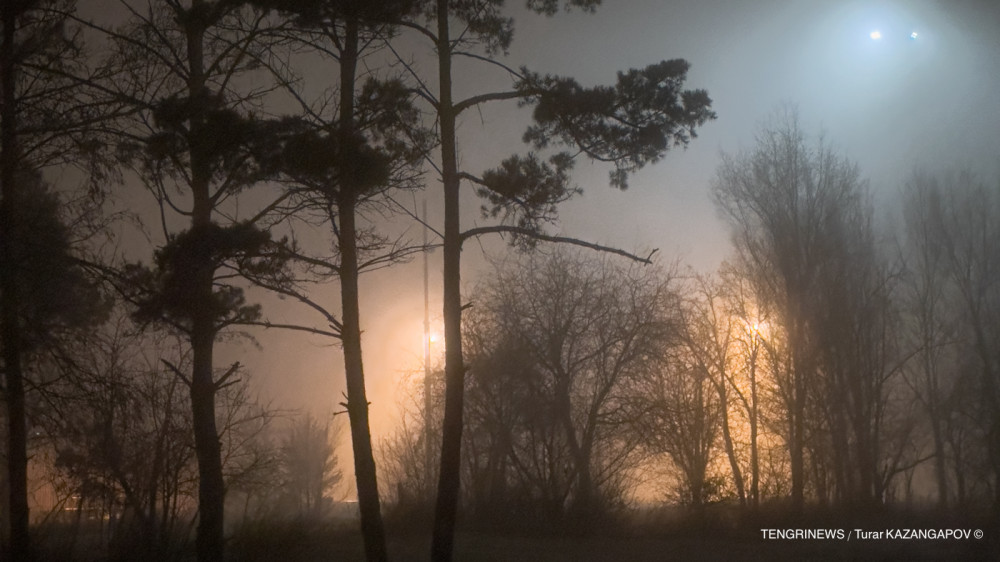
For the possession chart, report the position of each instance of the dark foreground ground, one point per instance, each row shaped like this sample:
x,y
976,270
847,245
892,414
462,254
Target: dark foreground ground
x,y
643,538
605,545
497,549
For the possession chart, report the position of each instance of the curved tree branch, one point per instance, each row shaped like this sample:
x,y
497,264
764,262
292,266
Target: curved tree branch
x,y
501,229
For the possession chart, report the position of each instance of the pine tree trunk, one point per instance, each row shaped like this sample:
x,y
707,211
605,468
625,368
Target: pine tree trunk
x,y
211,486
372,529
357,403
446,508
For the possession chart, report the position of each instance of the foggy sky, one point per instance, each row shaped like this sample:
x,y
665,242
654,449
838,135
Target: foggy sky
x,y
889,105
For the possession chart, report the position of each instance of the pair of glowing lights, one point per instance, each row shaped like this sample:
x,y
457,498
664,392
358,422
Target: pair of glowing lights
x,y
876,35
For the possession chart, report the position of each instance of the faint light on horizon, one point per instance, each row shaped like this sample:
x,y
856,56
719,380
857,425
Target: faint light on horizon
x,y
876,35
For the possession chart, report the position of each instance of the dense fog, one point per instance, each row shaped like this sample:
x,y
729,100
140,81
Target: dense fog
x,y
314,279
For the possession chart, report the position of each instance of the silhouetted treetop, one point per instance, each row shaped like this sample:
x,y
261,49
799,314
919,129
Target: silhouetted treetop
x,y
486,24
550,7
525,190
53,291
221,133
321,158
316,13
385,140
630,124
166,292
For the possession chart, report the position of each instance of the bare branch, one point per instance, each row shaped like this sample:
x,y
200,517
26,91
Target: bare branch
x,y
501,229
483,98
178,372
488,60
219,384
293,327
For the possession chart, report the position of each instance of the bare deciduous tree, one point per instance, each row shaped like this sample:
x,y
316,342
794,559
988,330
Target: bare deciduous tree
x,y
118,421
803,231
951,220
309,463
584,331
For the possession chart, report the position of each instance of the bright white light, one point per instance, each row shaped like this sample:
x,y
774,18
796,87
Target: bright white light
x,y
913,35
876,35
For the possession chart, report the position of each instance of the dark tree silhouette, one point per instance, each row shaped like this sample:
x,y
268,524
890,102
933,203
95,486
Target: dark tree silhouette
x,y
777,213
118,424
340,164
53,295
44,121
195,135
121,433
681,418
709,334
629,124
803,230
746,332
586,332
